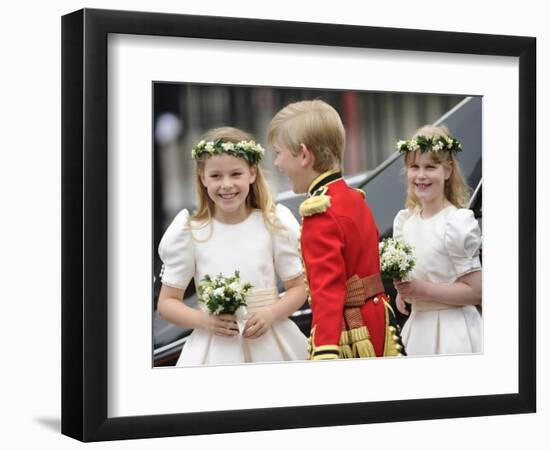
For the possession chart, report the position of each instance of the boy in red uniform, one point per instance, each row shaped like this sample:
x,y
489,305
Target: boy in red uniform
x,y
339,241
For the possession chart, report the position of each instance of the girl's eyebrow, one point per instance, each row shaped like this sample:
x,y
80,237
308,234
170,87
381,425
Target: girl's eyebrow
x,y
218,171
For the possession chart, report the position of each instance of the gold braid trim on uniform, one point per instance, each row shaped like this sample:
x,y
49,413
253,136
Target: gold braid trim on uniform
x,y
308,291
306,283
344,346
321,352
325,352
310,343
392,344
362,192
315,205
361,344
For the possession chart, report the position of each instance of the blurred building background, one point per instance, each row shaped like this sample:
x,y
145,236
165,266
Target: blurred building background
x,y
374,121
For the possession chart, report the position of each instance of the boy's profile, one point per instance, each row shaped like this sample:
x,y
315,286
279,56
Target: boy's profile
x,y
351,317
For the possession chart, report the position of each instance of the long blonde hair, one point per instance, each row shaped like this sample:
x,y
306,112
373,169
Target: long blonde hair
x,y
259,196
456,189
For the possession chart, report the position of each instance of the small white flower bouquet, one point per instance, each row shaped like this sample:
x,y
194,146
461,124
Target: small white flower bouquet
x,y
396,259
224,295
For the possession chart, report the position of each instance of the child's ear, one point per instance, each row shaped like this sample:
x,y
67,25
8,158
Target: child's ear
x,y
201,176
253,173
447,169
307,157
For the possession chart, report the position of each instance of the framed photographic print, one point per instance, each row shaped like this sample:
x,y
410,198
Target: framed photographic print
x,y
127,77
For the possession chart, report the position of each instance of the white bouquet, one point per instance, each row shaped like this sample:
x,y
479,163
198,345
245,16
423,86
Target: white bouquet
x,y
224,295
396,259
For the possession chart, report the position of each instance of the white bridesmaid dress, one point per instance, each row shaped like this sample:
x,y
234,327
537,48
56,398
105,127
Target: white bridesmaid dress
x,y
260,256
446,247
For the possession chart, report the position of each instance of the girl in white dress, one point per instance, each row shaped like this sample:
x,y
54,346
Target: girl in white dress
x,y
445,284
236,227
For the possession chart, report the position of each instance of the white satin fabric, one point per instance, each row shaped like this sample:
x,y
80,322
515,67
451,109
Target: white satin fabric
x,y
446,247
282,342
191,251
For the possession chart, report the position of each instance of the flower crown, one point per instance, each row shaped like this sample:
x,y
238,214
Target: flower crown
x,y
429,144
248,150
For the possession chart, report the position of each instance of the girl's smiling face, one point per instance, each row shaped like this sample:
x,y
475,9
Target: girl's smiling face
x,y
426,178
227,180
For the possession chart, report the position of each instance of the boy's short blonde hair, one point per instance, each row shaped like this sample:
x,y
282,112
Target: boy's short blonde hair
x,y
315,124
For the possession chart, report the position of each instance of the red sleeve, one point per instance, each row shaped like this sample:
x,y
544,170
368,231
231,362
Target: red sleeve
x,y
322,249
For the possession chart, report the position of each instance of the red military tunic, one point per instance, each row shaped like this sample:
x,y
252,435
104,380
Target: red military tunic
x,y
339,243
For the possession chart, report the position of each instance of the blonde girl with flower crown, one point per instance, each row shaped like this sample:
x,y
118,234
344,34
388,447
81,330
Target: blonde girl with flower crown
x,y
235,228
445,284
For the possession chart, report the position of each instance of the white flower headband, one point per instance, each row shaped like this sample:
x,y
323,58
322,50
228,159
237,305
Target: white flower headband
x,y
429,144
248,150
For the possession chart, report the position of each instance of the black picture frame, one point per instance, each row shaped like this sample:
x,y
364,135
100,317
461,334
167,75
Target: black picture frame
x,y
84,224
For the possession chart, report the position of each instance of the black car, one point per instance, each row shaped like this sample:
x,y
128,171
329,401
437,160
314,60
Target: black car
x,y
385,188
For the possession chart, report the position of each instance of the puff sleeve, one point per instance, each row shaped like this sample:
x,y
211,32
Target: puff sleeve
x,y
288,264
400,218
462,241
177,253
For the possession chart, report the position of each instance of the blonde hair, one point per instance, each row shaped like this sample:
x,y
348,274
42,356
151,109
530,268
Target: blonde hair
x,y
259,196
315,124
456,189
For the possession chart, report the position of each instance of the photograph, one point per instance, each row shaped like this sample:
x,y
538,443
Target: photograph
x,y
199,234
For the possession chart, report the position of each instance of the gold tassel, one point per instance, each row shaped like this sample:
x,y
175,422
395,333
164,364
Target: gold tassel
x,y
344,349
361,344
363,349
